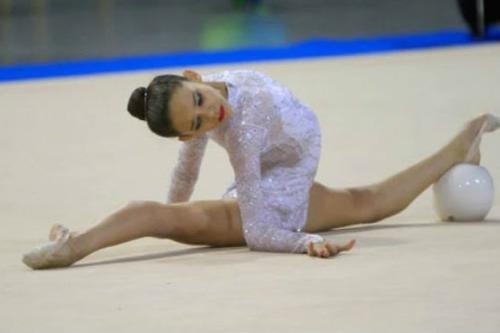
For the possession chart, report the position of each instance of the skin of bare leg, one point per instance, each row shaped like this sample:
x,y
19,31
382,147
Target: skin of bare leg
x,y
202,222
330,208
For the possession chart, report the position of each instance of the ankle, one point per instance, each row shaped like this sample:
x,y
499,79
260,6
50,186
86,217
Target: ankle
x,y
77,247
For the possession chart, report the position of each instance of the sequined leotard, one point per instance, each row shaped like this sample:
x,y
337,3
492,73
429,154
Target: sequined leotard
x,y
274,144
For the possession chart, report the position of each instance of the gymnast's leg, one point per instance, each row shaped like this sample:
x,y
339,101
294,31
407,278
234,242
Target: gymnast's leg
x,y
213,223
330,208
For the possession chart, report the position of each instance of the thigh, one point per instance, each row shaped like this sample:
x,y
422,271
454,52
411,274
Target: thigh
x,y
331,208
209,222
219,222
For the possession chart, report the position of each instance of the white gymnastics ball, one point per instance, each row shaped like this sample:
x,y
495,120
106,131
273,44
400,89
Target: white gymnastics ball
x,y
464,193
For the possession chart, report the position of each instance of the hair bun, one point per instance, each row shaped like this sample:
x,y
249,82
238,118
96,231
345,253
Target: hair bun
x,y
137,102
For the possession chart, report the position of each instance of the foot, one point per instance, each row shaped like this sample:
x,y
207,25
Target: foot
x,y
57,253
467,143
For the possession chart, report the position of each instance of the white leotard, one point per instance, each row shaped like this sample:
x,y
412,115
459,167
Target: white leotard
x,y
274,144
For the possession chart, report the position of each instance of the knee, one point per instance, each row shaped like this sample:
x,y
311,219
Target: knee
x,y
156,215
146,204
185,223
153,209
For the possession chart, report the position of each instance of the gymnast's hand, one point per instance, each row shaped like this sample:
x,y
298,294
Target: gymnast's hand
x,y
326,249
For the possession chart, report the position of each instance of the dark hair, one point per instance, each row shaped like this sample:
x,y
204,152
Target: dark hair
x,y
152,104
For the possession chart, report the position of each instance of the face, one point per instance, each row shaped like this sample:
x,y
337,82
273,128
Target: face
x,y
197,107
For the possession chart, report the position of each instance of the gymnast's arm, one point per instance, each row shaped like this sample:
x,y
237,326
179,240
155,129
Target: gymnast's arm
x,y
187,169
261,225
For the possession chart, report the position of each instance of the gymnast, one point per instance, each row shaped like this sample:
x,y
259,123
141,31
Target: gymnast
x,y
273,142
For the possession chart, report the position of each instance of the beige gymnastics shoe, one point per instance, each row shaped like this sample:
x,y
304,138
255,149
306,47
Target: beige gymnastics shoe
x,y
480,125
57,253
57,230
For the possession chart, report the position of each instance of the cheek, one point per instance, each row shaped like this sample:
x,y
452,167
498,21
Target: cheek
x,y
212,97
212,124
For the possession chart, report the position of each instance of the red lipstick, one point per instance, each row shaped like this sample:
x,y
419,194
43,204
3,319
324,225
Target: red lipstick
x,y
222,113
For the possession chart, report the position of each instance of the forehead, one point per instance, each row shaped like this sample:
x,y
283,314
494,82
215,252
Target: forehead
x,y
182,107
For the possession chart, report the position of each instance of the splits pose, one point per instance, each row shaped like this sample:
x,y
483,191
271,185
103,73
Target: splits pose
x,y
273,142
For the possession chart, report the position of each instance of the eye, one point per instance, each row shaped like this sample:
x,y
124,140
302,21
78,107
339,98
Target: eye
x,y
198,123
199,99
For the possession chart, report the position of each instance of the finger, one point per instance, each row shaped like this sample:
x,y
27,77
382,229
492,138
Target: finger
x,y
348,246
311,250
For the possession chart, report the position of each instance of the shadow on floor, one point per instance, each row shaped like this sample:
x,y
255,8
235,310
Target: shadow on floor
x,y
162,255
432,224
349,230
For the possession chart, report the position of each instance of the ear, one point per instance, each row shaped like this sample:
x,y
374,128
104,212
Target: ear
x,y
192,75
185,137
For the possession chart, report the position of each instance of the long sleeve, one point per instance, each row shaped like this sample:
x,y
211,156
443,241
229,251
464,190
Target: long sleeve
x,y
261,224
186,170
